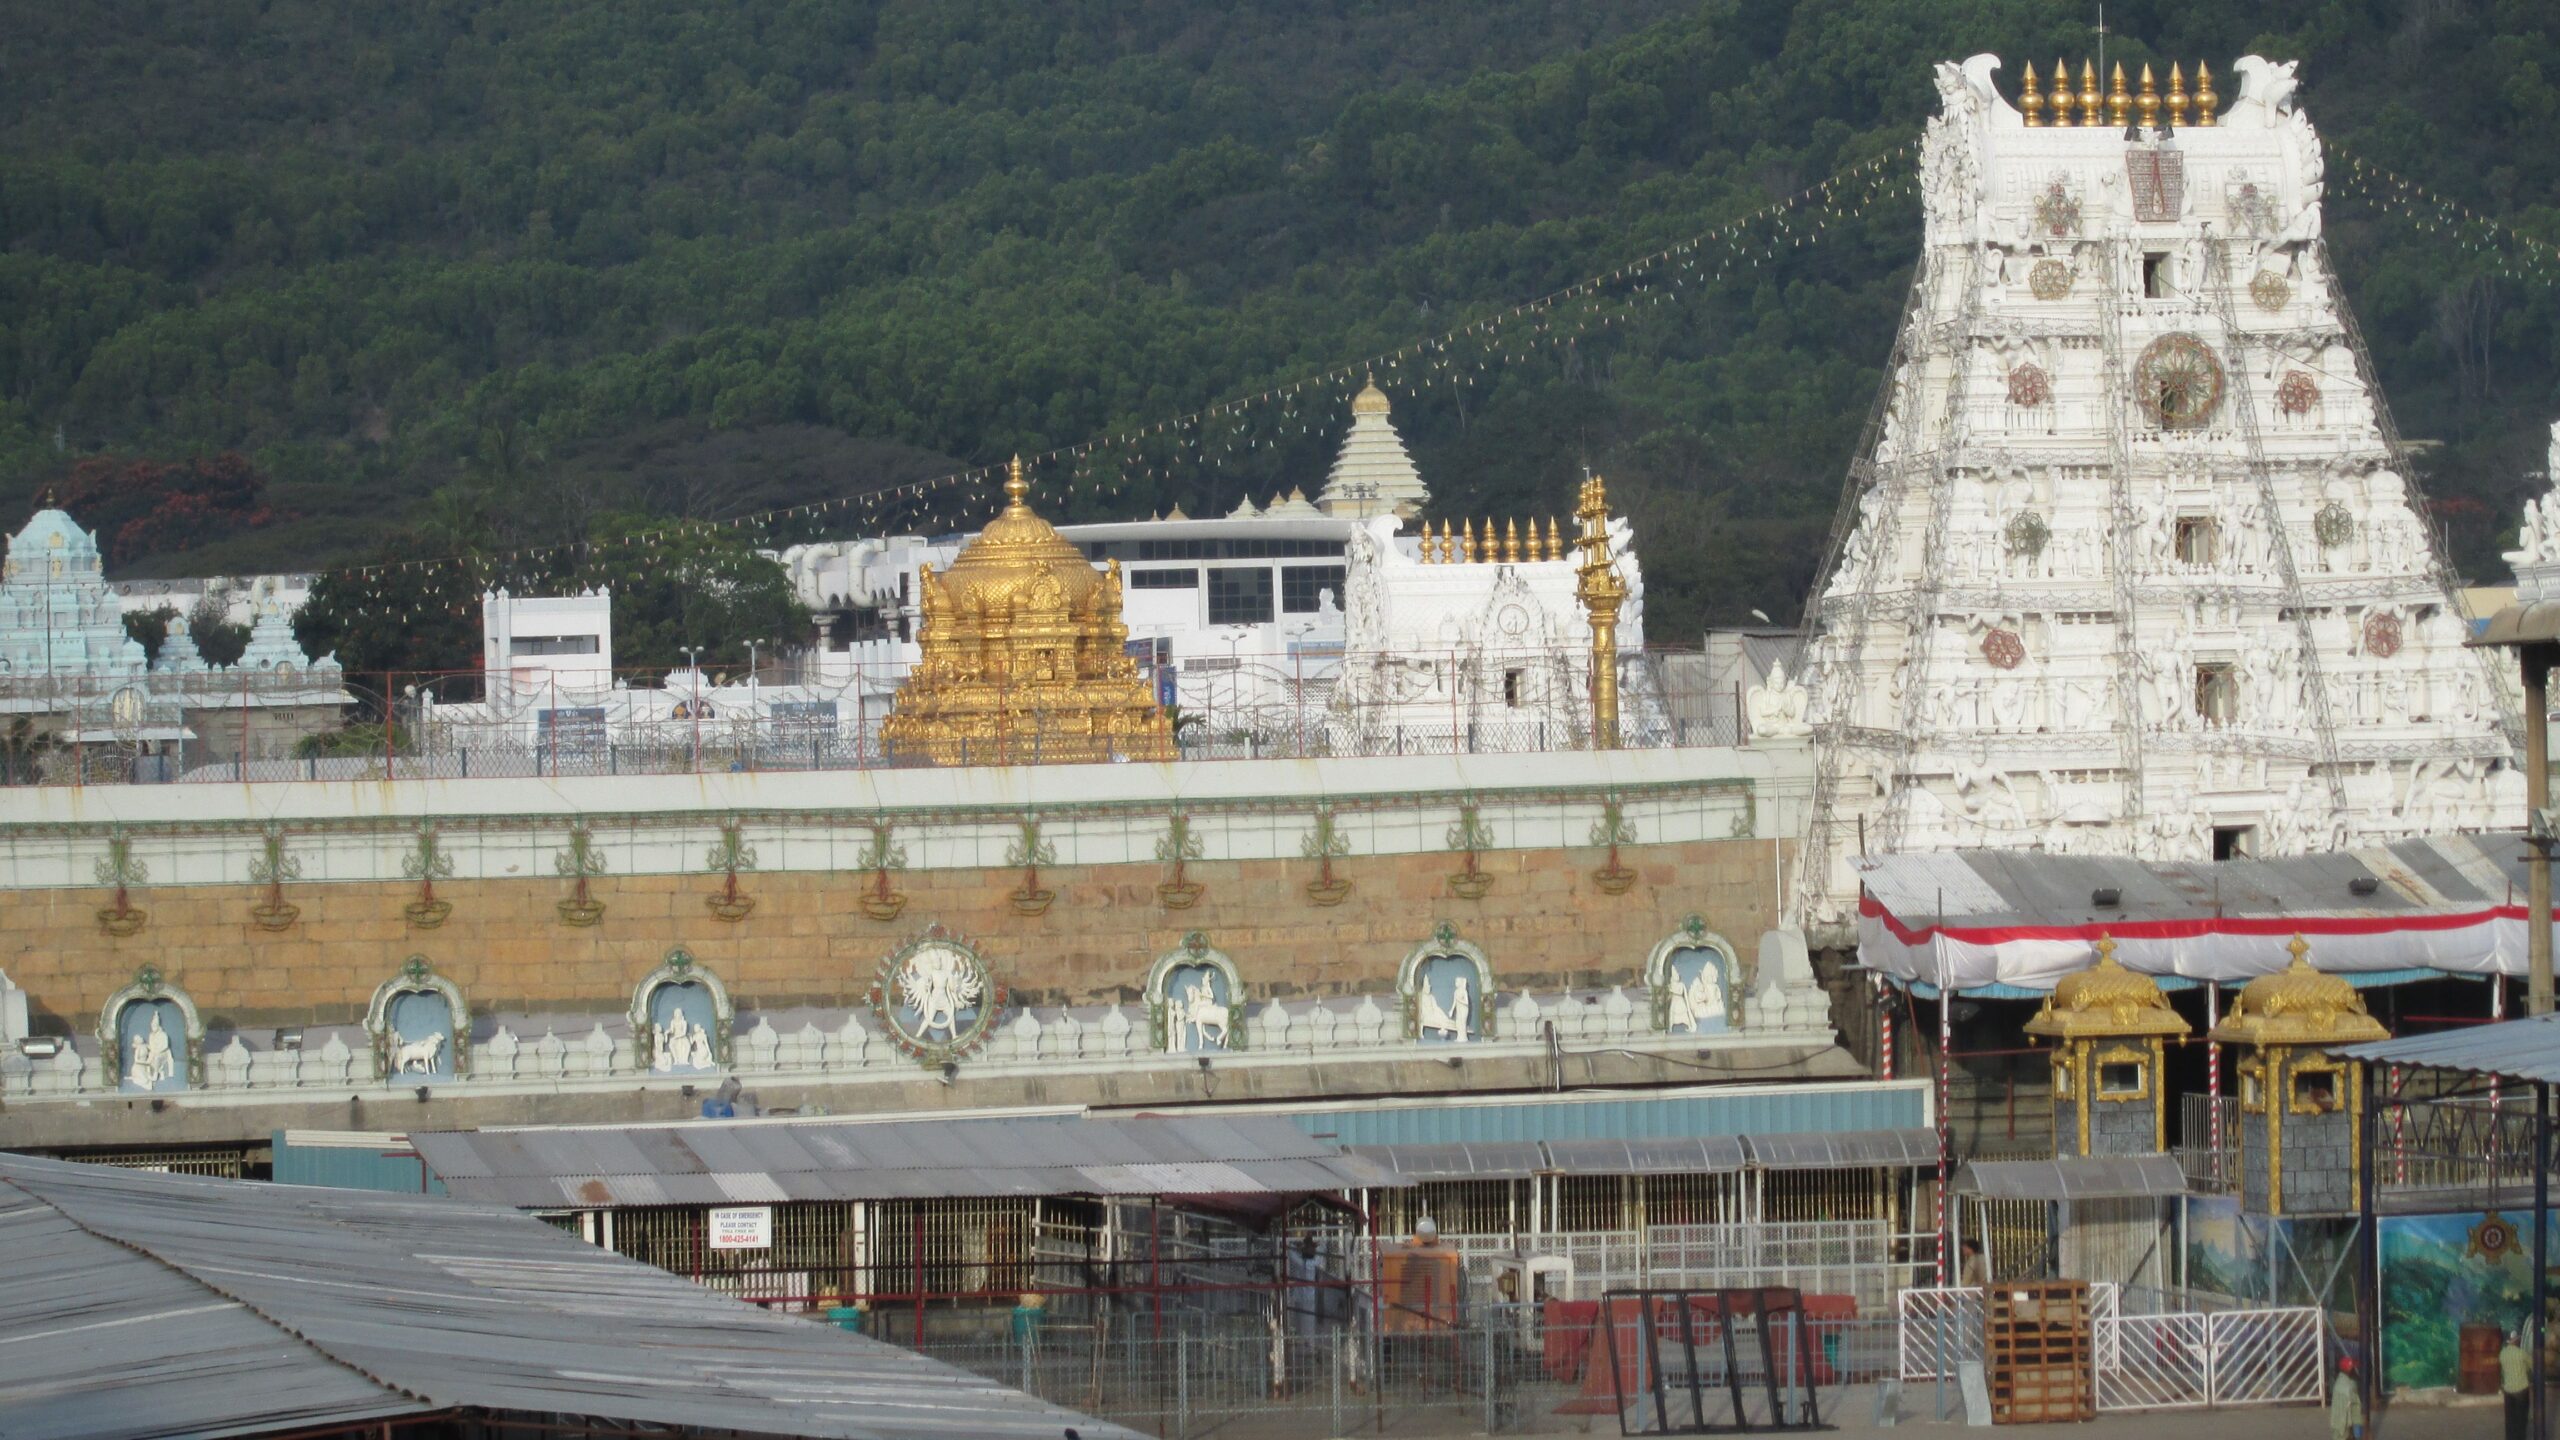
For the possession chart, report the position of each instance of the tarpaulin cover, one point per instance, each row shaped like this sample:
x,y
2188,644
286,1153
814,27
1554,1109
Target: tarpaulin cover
x,y
1970,919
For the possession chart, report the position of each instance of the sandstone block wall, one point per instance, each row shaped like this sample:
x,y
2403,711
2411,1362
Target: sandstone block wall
x,y
1544,923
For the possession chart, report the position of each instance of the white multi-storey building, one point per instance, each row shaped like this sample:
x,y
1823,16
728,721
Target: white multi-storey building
x,y
2130,562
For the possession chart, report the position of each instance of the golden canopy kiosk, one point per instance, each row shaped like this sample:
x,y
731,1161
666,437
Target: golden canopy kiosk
x,y
2109,1027
2299,1106
1024,656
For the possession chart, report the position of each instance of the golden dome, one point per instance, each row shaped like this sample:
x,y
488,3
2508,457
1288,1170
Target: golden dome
x,y
1016,549
1371,400
2106,999
2299,1006
1024,656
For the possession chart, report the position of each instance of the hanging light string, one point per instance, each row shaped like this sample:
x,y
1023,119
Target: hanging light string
x,y
2515,253
1098,467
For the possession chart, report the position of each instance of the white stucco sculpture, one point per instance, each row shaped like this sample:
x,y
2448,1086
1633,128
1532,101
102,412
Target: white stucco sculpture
x,y
1776,709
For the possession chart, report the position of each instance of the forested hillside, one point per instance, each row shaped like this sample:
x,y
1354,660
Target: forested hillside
x,y
459,276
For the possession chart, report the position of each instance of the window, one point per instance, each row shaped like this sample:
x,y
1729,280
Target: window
x,y
2316,1092
2234,842
2120,1079
2062,1075
1185,579
1302,587
2155,275
2253,1085
1240,595
552,645
1511,687
2217,694
2199,542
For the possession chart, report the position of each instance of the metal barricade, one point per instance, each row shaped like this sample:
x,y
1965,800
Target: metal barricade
x,y
2264,1357
2152,1362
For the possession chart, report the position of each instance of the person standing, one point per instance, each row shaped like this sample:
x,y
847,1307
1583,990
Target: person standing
x,y
2515,1383
1975,1269
2346,1403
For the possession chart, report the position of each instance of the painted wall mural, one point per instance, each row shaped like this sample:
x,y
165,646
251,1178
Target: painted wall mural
x,y
2441,1273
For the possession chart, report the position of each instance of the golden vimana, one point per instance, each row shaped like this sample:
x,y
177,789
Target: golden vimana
x,y
2117,106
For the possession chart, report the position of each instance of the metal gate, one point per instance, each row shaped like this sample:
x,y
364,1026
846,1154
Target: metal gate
x,y
2153,1362
1942,1325
2234,1357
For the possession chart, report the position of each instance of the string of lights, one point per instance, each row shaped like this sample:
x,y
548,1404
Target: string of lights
x,y
2518,255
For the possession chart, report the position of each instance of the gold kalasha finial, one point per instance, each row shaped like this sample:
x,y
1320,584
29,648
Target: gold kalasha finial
x,y
2090,99
1448,545
1016,488
2147,104
2206,100
2031,104
2060,101
1511,542
1553,551
1466,542
2177,111
2119,99
1422,545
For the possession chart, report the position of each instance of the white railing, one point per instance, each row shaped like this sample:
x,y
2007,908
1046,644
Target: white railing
x,y
2232,1357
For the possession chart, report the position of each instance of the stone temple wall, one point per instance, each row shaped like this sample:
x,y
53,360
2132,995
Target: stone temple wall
x,y
1544,924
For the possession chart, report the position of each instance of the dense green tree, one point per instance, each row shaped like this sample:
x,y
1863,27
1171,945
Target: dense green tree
x,y
494,270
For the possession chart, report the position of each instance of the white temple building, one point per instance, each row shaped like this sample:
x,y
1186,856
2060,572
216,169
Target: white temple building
x,y
2131,563
1337,623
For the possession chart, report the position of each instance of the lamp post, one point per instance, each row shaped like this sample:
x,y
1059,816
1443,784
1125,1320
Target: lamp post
x,y
2532,630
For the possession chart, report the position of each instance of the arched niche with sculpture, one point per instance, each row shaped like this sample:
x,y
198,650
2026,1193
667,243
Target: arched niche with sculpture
x,y
1446,985
1195,1000
150,1039
1693,977
420,1025
681,1018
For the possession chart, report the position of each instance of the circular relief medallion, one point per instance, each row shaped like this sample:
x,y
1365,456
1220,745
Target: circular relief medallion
x,y
2493,1239
2270,290
2382,635
1513,619
2027,533
2004,649
2297,393
2178,382
2049,280
937,997
2058,210
2333,525
2030,386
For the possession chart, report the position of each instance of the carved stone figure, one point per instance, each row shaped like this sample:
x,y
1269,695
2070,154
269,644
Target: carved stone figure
x,y
415,1057
1434,1018
153,1063
1776,710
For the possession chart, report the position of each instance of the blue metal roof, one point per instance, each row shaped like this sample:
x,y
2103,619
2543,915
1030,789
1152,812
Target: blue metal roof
x,y
1738,1110
2527,1049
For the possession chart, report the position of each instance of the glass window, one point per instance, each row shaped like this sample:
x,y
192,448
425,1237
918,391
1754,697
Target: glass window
x,y
553,645
2122,1077
1240,595
1183,579
1302,587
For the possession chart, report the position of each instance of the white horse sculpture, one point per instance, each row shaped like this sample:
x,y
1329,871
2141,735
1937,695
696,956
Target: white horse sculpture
x,y
1204,1014
415,1057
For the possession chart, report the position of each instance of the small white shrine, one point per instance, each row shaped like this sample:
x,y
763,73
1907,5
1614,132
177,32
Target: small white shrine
x,y
2133,564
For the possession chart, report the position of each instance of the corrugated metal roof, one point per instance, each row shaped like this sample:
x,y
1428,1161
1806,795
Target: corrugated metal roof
x,y
2527,1049
1613,1115
136,1304
1687,1155
1996,887
710,1163
1844,1149
2073,1177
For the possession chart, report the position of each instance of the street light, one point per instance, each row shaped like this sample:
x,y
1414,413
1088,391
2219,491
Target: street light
x,y
2532,629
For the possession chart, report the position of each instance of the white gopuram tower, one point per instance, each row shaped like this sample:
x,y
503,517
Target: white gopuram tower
x,y
2129,562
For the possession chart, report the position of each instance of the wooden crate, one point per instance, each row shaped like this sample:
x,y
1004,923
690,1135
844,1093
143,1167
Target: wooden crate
x,y
2036,1357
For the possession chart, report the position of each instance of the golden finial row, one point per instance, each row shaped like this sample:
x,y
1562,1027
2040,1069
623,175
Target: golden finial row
x,y
1467,542
2118,105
